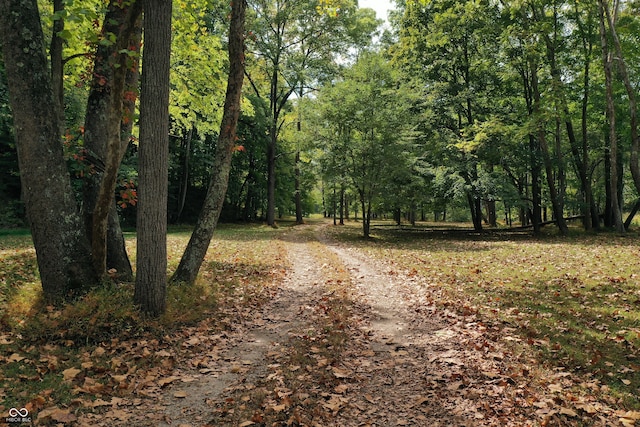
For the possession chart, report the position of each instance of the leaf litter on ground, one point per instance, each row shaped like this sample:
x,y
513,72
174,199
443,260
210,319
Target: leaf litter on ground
x,y
463,343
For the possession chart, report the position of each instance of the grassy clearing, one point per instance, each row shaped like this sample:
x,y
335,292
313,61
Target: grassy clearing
x,y
575,301
102,334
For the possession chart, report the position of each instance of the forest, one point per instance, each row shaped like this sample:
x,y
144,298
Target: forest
x,y
498,113
158,158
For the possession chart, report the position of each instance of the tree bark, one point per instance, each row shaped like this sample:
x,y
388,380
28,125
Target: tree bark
x,y
151,275
607,61
556,199
196,250
631,93
108,128
184,178
298,195
62,248
55,52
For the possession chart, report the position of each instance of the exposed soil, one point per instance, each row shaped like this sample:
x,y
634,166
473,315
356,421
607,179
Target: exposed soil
x,y
403,361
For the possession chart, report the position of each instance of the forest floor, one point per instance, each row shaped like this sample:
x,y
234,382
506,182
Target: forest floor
x,y
347,340
313,326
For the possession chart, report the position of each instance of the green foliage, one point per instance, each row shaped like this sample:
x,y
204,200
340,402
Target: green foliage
x,y
366,134
198,62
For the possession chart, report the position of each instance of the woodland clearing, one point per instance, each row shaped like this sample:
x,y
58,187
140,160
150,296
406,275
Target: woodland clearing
x,y
313,326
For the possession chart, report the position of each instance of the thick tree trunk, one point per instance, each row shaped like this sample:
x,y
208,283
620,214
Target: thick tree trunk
x,y
197,247
55,52
62,248
108,125
151,275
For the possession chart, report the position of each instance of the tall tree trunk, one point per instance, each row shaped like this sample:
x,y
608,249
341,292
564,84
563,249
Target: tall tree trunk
x,y
366,215
184,178
342,204
607,60
151,275
581,154
556,200
62,248
298,195
199,242
249,204
271,177
57,64
631,93
108,124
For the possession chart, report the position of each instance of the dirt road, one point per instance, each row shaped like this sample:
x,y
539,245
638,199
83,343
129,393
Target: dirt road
x,y
346,340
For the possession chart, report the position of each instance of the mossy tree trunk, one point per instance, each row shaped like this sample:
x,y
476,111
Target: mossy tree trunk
x,y
62,247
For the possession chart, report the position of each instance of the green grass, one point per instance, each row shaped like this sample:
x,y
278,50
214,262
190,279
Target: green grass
x,y
575,301
38,341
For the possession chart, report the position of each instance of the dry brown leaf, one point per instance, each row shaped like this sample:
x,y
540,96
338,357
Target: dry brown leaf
x,y
246,423
15,357
99,402
341,388
569,412
70,374
167,380
341,372
180,394
119,378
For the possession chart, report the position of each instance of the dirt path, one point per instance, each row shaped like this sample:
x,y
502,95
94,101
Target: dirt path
x,y
403,363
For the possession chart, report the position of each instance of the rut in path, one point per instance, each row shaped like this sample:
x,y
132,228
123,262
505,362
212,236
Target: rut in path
x,y
405,362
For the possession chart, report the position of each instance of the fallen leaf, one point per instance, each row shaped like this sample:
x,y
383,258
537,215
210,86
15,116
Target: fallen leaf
x,y
168,380
341,388
569,412
340,372
15,357
180,394
70,374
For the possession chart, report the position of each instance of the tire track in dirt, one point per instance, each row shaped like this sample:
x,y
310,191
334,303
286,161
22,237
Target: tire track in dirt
x,y
406,362
416,365
241,353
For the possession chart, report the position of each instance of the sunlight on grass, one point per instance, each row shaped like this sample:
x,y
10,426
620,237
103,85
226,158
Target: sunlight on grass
x,y
243,260
575,300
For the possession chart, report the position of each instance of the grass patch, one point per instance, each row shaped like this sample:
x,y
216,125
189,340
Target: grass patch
x,y
575,300
101,345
